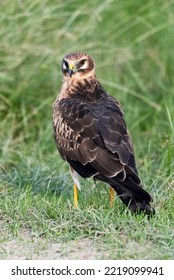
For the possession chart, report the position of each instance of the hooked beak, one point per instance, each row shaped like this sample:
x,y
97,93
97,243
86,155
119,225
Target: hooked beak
x,y
71,70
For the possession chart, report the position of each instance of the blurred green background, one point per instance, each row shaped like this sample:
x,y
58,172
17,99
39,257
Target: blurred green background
x,y
132,43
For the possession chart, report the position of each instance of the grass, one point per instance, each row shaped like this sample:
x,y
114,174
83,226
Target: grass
x,y
132,44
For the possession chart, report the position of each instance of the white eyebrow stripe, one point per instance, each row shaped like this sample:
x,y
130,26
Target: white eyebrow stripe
x,y
64,66
84,66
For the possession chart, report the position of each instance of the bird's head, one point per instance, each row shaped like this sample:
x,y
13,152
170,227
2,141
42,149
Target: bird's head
x,y
78,66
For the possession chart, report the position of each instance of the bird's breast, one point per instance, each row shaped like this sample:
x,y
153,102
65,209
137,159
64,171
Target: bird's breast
x,y
66,137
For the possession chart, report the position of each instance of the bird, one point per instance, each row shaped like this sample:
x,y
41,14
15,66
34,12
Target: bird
x,y
92,136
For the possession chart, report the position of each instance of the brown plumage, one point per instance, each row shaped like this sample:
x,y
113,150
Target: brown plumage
x,y
91,133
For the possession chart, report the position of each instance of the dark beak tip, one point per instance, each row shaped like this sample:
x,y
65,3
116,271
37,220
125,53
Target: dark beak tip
x,y
70,72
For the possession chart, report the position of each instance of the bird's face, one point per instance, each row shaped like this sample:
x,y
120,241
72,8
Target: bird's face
x,y
77,66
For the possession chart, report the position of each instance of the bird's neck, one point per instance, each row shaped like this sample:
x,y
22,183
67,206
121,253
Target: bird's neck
x,y
88,88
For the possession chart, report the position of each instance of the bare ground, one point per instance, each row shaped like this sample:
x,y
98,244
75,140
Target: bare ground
x,y
27,247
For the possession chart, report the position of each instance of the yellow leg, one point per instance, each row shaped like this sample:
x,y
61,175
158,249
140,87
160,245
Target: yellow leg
x,y
75,196
112,194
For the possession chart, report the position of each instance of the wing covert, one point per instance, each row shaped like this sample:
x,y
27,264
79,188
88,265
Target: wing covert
x,y
93,133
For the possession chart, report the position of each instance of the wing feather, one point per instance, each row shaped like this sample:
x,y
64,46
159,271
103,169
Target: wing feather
x,y
96,134
92,136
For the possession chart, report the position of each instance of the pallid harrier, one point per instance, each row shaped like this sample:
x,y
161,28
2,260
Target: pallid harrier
x,y
91,134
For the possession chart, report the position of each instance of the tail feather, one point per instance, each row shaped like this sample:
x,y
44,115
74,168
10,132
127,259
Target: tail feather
x,y
132,194
136,205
